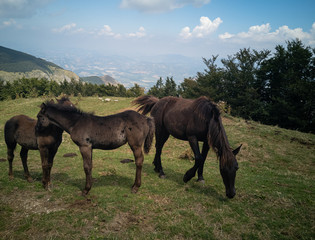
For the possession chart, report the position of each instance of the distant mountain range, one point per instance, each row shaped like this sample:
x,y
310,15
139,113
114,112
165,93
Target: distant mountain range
x,y
127,70
96,68
15,65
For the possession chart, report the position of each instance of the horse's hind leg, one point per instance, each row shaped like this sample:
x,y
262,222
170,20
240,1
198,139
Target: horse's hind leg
x,y
10,157
160,137
23,155
198,159
138,154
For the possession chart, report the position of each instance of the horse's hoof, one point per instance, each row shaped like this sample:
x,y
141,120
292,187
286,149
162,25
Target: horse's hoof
x,y
134,189
202,181
186,178
162,176
48,187
11,177
29,179
84,193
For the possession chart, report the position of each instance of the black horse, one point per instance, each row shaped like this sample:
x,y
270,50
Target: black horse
x,y
93,132
192,121
22,130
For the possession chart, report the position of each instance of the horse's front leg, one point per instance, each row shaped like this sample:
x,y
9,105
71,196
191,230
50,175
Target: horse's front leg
x,y
86,152
138,154
193,142
205,150
46,166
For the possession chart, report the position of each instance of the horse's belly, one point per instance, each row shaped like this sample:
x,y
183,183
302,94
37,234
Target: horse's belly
x,y
110,140
178,135
184,133
26,140
109,145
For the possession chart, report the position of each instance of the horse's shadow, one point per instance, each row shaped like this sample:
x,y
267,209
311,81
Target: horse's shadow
x,y
126,182
177,178
99,181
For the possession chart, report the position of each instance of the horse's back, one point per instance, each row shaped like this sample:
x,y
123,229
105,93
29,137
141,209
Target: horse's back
x,y
21,129
178,117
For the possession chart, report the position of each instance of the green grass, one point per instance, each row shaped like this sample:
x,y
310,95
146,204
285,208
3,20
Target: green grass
x,y
274,188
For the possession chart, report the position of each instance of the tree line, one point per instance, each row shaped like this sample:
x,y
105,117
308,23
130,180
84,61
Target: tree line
x,y
276,88
34,87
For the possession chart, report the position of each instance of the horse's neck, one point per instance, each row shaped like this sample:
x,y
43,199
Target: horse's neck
x,y
64,120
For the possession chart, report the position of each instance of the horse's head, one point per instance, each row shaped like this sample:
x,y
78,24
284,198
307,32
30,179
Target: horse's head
x,y
65,101
42,119
43,115
228,173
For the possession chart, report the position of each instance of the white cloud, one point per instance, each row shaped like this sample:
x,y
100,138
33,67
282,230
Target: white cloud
x,y
20,8
157,6
205,28
9,23
139,34
65,28
263,33
107,31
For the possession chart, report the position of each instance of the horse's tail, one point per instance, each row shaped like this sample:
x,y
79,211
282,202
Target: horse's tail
x,y
9,130
145,103
149,138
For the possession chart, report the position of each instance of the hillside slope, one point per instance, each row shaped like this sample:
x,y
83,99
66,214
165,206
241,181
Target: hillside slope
x,y
274,187
15,65
106,79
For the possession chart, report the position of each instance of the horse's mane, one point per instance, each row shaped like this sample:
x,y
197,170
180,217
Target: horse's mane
x,y
63,99
65,108
208,112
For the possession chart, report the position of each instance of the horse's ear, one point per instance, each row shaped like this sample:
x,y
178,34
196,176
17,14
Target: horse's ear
x,y
42,107
235,151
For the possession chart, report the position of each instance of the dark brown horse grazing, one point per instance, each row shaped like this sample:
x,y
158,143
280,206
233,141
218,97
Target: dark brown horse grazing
x,y
192,121
93,132
22,129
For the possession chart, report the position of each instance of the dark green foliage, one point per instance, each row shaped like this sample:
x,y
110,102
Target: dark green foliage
x,y
162,90
290,91
34,87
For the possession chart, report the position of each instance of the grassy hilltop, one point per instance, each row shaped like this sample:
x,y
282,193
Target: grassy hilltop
x,y
15,65
274,188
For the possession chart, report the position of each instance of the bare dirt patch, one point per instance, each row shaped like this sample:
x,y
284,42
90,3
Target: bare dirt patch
x,y
27,202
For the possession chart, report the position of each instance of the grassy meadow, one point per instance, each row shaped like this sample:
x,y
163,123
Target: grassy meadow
x,y
275,188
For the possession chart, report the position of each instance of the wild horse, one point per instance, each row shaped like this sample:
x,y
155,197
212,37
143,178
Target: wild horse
x,y
22,129
94,132
192,121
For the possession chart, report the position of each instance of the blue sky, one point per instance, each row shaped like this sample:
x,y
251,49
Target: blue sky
x,y
195,28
